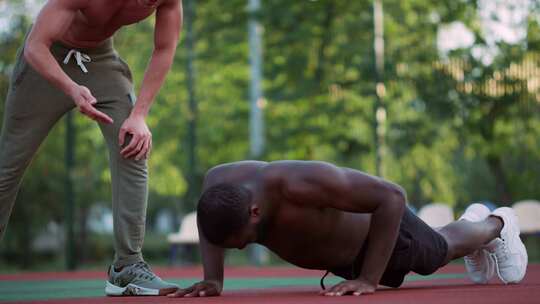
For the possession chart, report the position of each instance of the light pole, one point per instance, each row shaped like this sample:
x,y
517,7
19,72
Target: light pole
x,y
259,255
379,120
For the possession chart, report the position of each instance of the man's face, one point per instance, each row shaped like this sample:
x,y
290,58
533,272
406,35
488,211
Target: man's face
x,y
247,234
242,238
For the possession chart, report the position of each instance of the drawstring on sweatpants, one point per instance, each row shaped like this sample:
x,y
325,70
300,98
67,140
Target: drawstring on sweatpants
x,y
80,58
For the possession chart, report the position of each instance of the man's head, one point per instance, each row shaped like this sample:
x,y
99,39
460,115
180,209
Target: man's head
x,y
227,216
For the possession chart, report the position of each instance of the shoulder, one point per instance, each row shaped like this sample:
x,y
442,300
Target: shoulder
x,y
291,169
281,173
233,171
215,171
274,171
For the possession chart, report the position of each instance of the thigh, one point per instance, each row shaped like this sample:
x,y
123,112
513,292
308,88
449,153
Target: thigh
x,y
30,96
429,248
24,129
118,108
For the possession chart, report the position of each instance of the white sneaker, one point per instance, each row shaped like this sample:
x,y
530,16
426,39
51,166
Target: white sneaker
x,y
480,264
508,251
475,213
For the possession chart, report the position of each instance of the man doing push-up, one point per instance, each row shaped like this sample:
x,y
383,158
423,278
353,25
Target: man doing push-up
x,y
319,216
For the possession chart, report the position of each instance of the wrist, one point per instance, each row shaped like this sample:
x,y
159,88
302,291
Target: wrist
x,y
139,113
367,280
70,88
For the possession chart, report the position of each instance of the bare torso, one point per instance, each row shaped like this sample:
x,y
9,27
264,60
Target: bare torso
x,y
101,19
314,238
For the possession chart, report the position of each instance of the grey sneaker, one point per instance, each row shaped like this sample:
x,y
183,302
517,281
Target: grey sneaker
x,y
137,280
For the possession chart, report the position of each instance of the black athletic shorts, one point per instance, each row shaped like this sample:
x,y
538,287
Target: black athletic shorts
x,y
418,248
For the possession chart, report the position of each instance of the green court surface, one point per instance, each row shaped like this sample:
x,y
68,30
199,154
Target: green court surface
x,y
50,288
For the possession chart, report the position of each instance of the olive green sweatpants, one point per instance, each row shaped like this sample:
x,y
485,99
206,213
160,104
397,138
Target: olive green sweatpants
x,y
32,108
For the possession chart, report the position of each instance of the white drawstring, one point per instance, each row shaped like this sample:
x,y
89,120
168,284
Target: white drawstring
x,y
80,58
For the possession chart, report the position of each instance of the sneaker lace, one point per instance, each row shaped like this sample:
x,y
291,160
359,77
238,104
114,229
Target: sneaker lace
x,y
144,271
472,259
503,254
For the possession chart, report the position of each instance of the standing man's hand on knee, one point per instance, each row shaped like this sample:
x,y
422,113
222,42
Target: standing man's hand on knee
x,y
85,102
141,138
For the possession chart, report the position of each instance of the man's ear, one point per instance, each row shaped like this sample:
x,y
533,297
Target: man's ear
x,y
254,211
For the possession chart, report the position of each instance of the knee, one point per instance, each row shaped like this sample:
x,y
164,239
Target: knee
x,y
135,172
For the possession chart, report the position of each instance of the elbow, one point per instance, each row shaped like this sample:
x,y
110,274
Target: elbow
x,y
29,52
397,198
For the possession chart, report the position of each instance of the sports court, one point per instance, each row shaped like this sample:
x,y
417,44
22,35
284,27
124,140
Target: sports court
x,y
272,285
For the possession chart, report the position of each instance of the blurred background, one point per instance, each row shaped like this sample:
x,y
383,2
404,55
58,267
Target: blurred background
x,y
441,97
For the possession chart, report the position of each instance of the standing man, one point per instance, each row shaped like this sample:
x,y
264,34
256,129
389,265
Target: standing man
x,y
67,61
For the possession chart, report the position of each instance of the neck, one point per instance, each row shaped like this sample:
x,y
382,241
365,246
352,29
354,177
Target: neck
x,y
262,230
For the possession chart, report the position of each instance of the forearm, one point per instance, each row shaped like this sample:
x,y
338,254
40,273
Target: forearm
x,y
51,23
213,259
40,58
159,66
383,232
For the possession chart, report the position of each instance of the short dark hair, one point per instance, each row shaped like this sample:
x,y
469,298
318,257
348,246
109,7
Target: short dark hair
x,y
223,209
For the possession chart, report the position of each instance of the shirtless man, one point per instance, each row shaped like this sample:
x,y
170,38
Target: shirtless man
x,y
319,216
68,60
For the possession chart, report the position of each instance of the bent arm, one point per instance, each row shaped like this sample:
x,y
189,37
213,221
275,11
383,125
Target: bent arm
x,y
166,35
51,24
322,185
213,257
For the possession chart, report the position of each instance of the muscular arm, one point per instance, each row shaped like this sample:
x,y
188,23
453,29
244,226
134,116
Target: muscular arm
x,y
323,185
166,35
213,258
51,24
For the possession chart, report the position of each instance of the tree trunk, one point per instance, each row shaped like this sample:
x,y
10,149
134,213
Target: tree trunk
x,y
501,183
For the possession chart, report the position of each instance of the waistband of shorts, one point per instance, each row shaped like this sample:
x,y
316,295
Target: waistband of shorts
x,y
105,47
61,48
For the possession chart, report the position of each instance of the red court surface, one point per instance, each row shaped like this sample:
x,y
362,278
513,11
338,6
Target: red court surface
x,y
437,290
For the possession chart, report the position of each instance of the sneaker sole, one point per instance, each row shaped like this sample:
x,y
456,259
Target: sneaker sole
x,y
135,290
524,262
479,278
